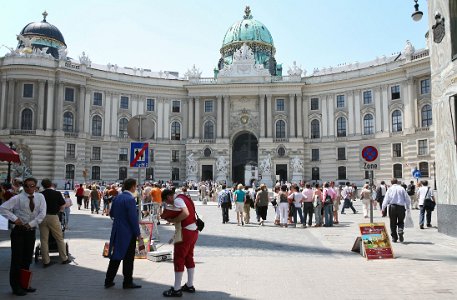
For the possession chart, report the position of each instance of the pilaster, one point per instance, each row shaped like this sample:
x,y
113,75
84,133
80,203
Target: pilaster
x,y
306,107
350,113
50,106
292,112
11,104
331,114
300,116
269,126
197,118
3,104
219,116
325,116
191,118
82,95
378,110
358,128
385,109
226,115
59,106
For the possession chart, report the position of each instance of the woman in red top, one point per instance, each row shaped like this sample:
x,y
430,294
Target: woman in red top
x,y
79,196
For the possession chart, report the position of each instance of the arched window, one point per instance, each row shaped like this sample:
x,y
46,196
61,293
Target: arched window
x,y
341,173
175,131
122,173
97,126
398,171
426,116
315,129
70,171
341,126
27,119
95,173
423,168
208,130
123,128
397,122
368,126
68,122
280,129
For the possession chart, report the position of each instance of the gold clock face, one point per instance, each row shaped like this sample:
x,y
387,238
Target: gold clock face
x,y
244,119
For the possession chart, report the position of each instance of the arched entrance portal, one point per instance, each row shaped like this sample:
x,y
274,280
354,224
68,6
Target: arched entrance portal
x,y
244,150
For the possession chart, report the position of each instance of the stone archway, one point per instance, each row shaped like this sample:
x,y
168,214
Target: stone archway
x,y
245,149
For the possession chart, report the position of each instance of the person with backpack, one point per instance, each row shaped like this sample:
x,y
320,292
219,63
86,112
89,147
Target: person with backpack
x,y
380,193
329,196
426,204
261,202
224,199
411,190
347,194
248,203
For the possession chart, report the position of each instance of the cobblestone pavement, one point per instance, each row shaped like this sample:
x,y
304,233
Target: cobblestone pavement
x,y
255,262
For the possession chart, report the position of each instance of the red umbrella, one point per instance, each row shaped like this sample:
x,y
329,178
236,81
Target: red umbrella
x,y
7,154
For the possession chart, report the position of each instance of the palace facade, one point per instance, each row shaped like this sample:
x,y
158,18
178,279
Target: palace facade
x,y
253,120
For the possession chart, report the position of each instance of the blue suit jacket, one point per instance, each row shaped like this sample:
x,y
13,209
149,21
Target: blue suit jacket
x,y
125,225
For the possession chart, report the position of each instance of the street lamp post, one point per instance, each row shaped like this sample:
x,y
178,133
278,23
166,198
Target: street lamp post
x,y
8,178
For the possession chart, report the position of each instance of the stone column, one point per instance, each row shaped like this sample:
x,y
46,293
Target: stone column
x,y
292,132
262,115
160,120
58,112
378,110
226,115
80,109
107,117
385,109
140,104
11,104
133,105
350,113
410,111
219,116
191,118
269,119
325,116
299,116
3,105
306,107
166,120
40,114
50,106
87,105
357,112
197,118
331,115
114,99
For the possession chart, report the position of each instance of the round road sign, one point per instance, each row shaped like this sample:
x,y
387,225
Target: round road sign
x,y
370,153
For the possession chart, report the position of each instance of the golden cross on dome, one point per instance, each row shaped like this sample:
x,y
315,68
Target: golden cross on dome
x,y
45,14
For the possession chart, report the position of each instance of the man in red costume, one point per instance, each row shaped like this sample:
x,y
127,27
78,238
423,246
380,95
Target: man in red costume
x,y
183,251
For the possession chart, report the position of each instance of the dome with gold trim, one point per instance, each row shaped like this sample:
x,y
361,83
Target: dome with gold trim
x,y
41,35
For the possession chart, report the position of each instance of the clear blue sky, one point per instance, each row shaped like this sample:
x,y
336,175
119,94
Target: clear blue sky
x,y
173,35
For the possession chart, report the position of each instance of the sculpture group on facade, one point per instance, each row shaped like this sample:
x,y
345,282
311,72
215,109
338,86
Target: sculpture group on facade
x,y
297,165
191,164
221,165
265,165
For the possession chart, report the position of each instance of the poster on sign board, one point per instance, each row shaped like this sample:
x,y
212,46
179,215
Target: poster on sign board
x,y
376,241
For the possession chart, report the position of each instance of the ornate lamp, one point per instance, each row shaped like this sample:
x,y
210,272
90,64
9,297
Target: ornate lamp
x,y
417,14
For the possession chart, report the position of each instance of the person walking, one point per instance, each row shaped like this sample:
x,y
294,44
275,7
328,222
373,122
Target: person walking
x,y
261,202
248,203
94,200
124,234
347,195
365,196
297,199
26,210
224,199
51,223
329,196
183,253
68,204
380,194
397,201
79,196
411,190
426,203
239,198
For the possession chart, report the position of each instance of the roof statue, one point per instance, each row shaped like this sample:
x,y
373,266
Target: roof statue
x,y
408,51
26,42
193,74
295,70
62,53
84,59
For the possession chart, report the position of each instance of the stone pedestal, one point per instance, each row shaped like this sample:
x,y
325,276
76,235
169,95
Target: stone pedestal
x,y
296,177
267,179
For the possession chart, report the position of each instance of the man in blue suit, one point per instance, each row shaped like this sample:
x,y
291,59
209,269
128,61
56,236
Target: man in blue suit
x,y
125,232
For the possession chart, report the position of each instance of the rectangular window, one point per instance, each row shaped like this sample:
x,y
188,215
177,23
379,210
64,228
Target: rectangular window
x,y
175,155
341,173
95,173
69,94
124,102
71,150
96,153
98,98
396,149
425,86
208,106
280,105
150,104
149,173
314,103
175,174
367,97
315,155
395,92
422,147
27,91
340,101
175,106
123,154
367,174
342,153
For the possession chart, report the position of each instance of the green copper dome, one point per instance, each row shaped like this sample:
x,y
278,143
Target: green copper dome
x,y
255,35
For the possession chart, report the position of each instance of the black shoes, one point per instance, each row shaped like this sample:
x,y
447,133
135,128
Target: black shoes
x,y
429,225
109,284
20,292
66,261
422,226
400,235
46,265
31,290
131,286
188,289
172,293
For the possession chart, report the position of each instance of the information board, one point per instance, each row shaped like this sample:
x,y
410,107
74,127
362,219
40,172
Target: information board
x,y
369,157
146,228
376,241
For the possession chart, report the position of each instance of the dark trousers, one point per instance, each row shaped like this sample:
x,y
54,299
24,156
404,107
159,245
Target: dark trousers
x,y
397,219
225,211
348,204
127,265
308,211
79,200
425,211
262,212
22,244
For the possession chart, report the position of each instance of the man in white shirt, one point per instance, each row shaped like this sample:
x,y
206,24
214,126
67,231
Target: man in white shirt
x,y
346,195
398,201
425,192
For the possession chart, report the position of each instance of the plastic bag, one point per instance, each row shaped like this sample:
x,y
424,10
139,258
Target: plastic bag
x,y
408,220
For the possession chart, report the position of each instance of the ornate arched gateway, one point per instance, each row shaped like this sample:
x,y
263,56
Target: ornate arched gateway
x,y
244,150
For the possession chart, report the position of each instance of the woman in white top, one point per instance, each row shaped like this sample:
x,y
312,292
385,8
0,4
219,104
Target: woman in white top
x,y
426,203
365,195
297,199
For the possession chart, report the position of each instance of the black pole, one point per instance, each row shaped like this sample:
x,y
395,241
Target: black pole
x,y
8,178
434,176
